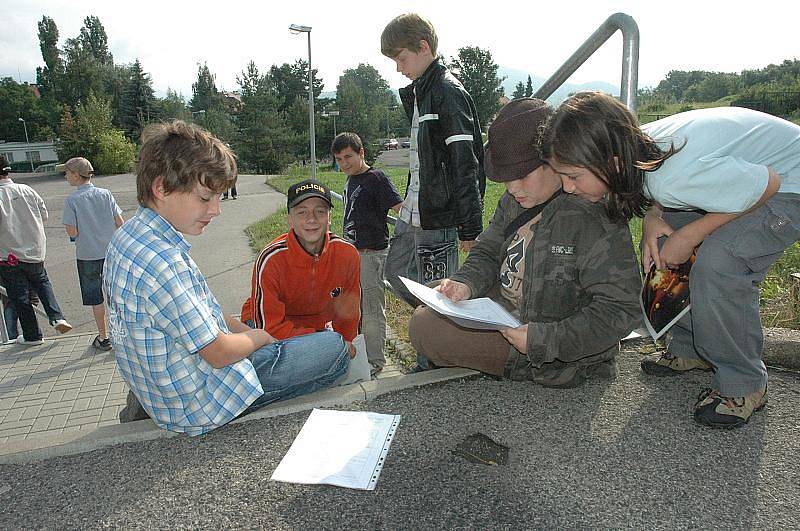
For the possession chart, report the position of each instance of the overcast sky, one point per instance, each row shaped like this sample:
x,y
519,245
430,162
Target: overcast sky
x,y
171,37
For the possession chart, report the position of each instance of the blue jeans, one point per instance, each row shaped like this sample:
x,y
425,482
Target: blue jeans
x,y
10,316
421,255
90,278
298,366
19,280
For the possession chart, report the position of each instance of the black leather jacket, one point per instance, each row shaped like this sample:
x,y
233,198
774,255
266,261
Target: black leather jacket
x,y
452,181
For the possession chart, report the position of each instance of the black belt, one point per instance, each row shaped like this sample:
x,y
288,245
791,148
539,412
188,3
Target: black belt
x,y
695,210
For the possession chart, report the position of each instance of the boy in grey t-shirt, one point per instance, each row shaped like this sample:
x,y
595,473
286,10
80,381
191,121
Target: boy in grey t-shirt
x,y
91,215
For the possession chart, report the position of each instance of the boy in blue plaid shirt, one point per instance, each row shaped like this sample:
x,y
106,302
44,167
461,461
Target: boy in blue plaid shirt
x,y
192,368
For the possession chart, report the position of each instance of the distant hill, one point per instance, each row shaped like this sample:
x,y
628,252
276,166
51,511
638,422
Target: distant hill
x,y
514,76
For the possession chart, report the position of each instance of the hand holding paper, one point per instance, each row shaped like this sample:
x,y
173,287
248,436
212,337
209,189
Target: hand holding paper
x,y
481,314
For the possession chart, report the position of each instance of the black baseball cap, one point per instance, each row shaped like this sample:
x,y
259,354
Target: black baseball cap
x,y
307,189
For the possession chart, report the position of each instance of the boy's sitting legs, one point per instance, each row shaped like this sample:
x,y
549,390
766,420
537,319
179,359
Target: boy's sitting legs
x,y
446,344
286,369
298,366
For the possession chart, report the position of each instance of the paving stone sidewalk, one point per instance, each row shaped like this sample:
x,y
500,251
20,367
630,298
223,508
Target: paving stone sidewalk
x,y
64,385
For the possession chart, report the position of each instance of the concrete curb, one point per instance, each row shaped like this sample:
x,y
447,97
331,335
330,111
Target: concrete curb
x,y
77,442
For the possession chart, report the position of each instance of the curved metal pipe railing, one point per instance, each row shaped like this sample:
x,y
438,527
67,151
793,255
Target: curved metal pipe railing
x,y
630,59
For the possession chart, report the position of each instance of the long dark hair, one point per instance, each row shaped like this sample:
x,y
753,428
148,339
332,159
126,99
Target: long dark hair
x,y
595,131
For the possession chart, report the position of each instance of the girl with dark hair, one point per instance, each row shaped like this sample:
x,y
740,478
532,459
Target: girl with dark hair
x,y
727,178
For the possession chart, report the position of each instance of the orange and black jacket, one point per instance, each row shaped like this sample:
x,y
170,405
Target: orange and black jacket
x,y
295,293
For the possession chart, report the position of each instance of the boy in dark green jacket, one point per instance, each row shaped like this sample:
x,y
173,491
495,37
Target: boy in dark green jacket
x,y
556,261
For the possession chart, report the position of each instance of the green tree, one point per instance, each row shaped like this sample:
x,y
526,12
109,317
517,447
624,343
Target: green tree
x,y
173,107
529,87
138,106
88,65
713,87
19,101
291,82
478,72
47,76
207,107
519,91
366,104
263,141
677,82
91,134
94,40
205,95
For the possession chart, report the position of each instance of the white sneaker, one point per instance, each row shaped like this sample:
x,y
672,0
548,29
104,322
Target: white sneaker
x,y
62,326
22,341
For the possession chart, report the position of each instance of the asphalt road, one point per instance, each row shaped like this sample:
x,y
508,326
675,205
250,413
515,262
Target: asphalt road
x,y
394,158
222,252
624,454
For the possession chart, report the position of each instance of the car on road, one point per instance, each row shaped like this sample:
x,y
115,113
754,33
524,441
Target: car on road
x,y
405,144
391,144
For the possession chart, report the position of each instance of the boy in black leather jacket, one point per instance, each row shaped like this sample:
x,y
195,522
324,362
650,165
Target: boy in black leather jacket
x,y
443,202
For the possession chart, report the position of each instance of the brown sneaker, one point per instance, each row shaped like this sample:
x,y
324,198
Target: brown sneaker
x,y
717,411
666,364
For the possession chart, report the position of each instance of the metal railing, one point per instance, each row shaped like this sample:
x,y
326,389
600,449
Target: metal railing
x,y
630,59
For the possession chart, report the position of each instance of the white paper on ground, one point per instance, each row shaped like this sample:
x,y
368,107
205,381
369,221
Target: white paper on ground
x,y
342,448
482,313
358,370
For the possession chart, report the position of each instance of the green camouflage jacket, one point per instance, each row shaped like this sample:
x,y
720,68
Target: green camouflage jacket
x,y
581,285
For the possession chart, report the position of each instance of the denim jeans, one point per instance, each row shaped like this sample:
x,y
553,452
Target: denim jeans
x,y
298,366
10,316
421,255
19,280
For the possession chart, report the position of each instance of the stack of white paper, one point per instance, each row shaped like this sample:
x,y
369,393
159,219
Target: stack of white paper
x,y
343,448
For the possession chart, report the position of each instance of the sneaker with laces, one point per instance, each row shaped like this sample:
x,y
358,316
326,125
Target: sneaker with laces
x,y
62,326
22,341
102,344
717,411
666,364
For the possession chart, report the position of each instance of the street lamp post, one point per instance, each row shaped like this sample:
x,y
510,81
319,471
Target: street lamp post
x,y
388,109
30,153
334,114
296,28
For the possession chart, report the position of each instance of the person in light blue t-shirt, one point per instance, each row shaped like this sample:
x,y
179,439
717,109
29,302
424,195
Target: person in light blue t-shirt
x,y
724,182
91,215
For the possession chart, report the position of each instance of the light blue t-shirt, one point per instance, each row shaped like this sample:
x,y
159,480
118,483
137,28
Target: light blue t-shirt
x,y
723,164
92,210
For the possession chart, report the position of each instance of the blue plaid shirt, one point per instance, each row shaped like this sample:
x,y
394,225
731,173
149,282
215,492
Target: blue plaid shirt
x,y
161,313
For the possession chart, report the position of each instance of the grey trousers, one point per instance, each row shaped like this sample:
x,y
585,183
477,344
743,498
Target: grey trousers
x,y
421,255
373,304
723,326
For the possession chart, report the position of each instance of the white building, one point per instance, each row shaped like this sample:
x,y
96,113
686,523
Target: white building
x,y
37,152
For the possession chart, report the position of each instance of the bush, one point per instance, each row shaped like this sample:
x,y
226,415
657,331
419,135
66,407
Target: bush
x,y
115,153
